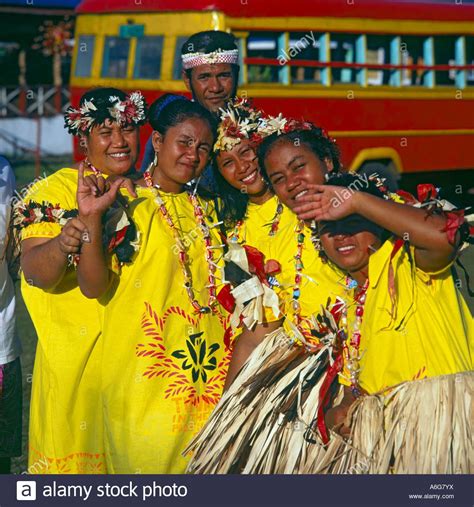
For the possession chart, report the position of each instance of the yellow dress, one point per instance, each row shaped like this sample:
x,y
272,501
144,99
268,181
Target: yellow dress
x,y
318,281
65,434
164,365
431,332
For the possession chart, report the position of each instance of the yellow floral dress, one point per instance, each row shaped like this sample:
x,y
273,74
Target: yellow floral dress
x,y
318,280
428,333
65,434
163,364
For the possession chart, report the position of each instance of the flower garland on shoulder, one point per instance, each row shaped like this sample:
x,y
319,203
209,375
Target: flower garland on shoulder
x,y
36,213
121,236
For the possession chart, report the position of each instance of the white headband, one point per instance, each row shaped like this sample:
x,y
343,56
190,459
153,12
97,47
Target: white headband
x,y
191,60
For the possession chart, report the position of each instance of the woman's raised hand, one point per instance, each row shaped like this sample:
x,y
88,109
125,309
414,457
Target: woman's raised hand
x,y
326,202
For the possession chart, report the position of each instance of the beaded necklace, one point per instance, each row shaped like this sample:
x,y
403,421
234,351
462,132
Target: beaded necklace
x,y
352,355
300,236
182,253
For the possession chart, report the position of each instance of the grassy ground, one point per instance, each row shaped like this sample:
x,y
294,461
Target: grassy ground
x,y
24,171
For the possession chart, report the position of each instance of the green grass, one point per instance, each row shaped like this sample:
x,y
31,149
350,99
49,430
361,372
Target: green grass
x,y
24,169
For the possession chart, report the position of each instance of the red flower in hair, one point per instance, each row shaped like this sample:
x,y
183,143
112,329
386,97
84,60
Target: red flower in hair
x,y
293,125
129,112
256,138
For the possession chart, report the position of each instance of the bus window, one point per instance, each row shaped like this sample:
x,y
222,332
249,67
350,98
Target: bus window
x,y
445,54
306,46
115,57
263,45
378,52
177,65
470,60
85,51
414,51
343,50
148,57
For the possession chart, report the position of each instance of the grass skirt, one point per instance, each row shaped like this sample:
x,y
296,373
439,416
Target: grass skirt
x,y
264,423
418,427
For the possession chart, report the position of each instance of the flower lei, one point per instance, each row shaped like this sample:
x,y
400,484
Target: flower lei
x,y
182,253
131,111
36,213
120,234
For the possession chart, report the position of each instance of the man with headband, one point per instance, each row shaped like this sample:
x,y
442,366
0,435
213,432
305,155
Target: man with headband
x,y
210,72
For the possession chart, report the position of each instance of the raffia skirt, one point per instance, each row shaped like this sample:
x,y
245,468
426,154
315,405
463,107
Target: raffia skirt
x,y
265,422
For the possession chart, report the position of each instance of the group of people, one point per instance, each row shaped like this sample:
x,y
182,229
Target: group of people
x,y
241,304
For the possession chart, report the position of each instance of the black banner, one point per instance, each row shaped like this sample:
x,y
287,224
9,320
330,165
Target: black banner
x,y
237,490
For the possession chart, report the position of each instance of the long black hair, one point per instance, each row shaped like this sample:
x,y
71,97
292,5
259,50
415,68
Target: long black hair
x,y
233,203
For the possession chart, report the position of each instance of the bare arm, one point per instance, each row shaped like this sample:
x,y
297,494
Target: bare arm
x,y
44,261
245,344
425,232
94,196
93,274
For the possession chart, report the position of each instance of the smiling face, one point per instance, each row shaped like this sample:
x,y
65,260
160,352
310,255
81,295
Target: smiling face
x,y
351,252
182,153
239,167
292,168
212,85
113,149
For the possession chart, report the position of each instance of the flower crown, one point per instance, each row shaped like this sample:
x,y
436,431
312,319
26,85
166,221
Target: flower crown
x,y
131,111
240,120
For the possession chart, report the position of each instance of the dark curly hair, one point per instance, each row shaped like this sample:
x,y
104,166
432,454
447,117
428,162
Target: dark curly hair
x,y
315,139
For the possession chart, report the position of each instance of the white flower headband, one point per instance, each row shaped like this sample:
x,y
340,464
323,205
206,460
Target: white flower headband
x,y
131,111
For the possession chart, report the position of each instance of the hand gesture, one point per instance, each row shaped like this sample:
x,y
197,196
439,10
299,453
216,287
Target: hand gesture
x,y
73,234
95,194
328,202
